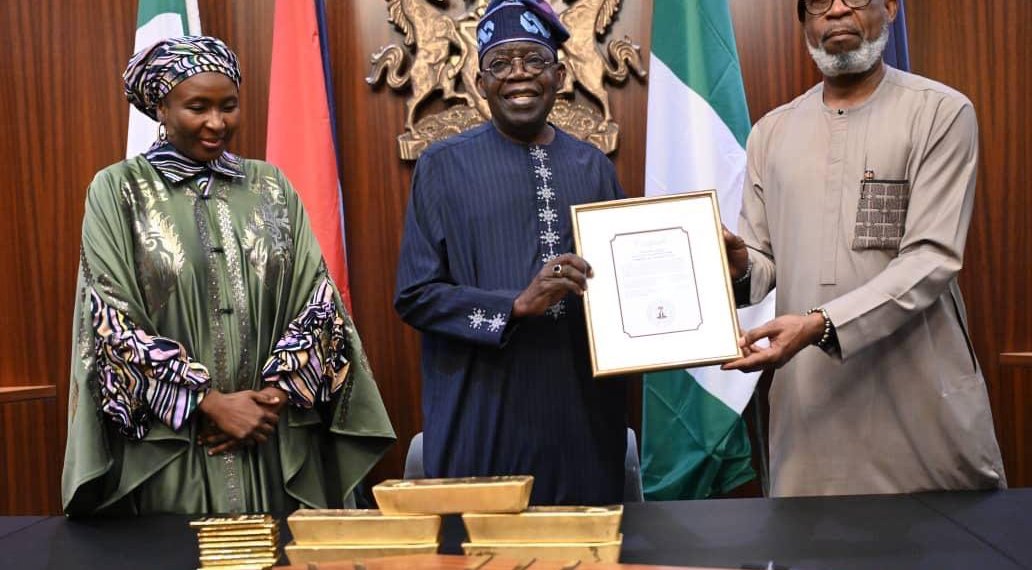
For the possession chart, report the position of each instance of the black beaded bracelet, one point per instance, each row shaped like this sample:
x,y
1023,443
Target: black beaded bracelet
x,y
824,343
745,276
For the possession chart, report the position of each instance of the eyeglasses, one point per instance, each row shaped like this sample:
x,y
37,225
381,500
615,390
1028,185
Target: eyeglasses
x,y
533,64
820,7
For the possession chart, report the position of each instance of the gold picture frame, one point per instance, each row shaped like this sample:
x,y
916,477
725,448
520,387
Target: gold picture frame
x,y
661,295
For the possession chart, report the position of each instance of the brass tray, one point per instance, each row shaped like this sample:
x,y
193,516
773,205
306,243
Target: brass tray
x,y
546,524
563,551
303,554
361,526
505,494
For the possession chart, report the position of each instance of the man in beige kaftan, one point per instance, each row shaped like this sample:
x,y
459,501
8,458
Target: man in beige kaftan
x,y
857,204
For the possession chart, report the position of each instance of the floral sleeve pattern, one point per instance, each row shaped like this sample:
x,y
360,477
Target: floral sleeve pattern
x,y
143,376
309,362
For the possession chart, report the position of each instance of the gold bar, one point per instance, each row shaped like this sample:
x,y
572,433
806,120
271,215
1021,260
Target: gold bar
x,y
256,565
237,558
567,551
220,559
546,524
263,533
259,550
506,494
236,521
238,566
361,526
237,540
304,554
253,563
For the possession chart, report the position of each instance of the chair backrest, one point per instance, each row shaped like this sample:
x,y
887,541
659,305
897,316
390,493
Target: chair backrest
x,y
632,466
414,458
632,487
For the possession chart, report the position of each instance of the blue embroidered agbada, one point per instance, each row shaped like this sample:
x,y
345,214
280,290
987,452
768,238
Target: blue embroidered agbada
x,y
504,396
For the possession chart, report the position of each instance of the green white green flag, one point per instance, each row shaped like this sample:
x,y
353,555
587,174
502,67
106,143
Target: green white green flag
x,y
694,441
155,21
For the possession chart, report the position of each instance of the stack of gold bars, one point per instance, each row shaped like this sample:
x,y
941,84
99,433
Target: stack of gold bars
x,y
498,522
494,510
326,535
408,521
242,542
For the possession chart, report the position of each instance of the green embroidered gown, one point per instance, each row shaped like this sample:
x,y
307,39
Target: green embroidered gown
x,y
193,286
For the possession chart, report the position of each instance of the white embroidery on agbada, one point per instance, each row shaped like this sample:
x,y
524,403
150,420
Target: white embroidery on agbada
x,y
557,310
496,323
548,216
545,195
477,318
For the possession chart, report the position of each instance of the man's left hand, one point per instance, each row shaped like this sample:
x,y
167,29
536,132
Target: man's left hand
x,y
788,334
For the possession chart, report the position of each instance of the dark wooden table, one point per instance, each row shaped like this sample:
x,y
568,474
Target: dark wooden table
x,y
931,530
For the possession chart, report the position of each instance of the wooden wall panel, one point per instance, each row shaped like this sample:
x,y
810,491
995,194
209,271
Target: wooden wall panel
x,y
30,470
64,118
62,121
376,185
776,67
982,49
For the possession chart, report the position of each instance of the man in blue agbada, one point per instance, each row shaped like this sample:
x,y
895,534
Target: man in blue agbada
x,y
487,275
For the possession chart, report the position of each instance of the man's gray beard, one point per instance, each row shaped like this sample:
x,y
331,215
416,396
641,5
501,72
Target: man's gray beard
x,y
856,61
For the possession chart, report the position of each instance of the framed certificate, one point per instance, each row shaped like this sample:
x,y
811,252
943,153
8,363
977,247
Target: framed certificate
x,y
661,296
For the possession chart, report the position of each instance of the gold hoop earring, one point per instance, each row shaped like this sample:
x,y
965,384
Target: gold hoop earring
x,y
162,132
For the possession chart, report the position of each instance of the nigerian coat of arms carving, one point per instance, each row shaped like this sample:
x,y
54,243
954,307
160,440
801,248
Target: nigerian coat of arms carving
x,y
440,54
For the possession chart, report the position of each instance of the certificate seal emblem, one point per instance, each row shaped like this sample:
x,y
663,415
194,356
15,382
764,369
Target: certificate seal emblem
x,y
662,313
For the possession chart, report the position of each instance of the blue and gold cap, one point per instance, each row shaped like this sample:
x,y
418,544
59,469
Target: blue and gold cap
x,y
507,21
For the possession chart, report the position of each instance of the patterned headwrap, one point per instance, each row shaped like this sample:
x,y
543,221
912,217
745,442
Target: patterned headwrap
x,y
156,70
507,21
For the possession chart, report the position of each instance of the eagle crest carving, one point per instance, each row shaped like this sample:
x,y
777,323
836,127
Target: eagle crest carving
x,y
440,55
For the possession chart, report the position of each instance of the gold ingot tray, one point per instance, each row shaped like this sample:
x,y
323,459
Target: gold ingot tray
x,y
361,526
304,554
546,524
562,551
504,494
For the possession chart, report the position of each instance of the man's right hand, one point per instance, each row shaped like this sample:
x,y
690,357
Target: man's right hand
x,y
550,286
241,418
737,253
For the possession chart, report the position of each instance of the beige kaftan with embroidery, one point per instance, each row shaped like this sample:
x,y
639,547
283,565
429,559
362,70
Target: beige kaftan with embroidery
x,y
904,406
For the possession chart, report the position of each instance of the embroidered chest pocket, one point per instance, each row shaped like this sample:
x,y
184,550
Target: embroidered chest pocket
x,y
881,214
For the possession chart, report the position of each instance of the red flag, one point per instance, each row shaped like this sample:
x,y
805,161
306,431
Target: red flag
x,y
300,135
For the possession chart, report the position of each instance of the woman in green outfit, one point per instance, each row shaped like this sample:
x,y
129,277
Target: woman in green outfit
x,y
214,367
